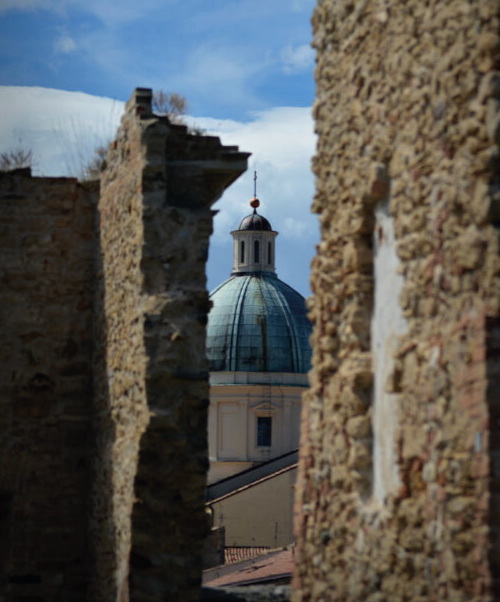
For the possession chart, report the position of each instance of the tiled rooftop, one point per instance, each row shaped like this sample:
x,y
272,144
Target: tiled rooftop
x,y
237,553
273,566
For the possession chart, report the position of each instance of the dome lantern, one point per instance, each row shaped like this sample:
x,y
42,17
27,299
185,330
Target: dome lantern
x,y
253,244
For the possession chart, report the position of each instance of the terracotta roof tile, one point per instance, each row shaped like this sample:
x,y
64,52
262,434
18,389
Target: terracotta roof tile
x,y
237,553
264,568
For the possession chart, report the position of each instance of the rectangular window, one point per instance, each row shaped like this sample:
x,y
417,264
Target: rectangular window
x,y
264,428
256,251
242,251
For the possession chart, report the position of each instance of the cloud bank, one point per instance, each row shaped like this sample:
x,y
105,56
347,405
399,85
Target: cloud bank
x,y
62,128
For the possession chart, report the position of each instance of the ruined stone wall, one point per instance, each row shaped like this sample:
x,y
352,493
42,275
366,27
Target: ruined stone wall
x,y
408,117
46,286
121,412
103,376
151,372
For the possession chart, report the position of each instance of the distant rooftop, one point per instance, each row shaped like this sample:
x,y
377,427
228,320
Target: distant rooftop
x,y
251,476
275,566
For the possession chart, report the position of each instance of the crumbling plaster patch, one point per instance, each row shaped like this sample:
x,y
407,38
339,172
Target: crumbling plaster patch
x,y
388,323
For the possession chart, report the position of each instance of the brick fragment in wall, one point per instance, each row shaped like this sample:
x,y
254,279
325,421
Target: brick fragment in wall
x,y
406,106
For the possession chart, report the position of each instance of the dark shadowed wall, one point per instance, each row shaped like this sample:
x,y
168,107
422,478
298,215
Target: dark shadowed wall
x,y
47,281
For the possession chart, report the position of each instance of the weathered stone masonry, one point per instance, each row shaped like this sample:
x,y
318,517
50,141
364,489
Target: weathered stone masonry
x,y
408,114
152,386
103,378
122,285
46,284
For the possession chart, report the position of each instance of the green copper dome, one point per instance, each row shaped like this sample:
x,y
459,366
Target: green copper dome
x,y
258,324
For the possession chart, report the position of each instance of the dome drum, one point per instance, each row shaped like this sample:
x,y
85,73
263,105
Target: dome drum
x,y
254,240
253,251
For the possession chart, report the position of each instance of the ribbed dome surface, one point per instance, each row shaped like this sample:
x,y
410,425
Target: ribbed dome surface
x,y
258,324
254,221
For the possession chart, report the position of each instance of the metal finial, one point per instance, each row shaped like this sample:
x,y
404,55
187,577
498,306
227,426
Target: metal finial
x,y
255,184
254,203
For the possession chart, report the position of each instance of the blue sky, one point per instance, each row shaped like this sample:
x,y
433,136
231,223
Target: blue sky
x,y
245,67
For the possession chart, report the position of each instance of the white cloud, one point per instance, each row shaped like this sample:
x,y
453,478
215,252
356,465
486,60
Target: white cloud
x,y
62,128
282,143
50,122
64,44
297,59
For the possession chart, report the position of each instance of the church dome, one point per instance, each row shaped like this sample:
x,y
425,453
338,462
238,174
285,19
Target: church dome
x,y
254,221
258,324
